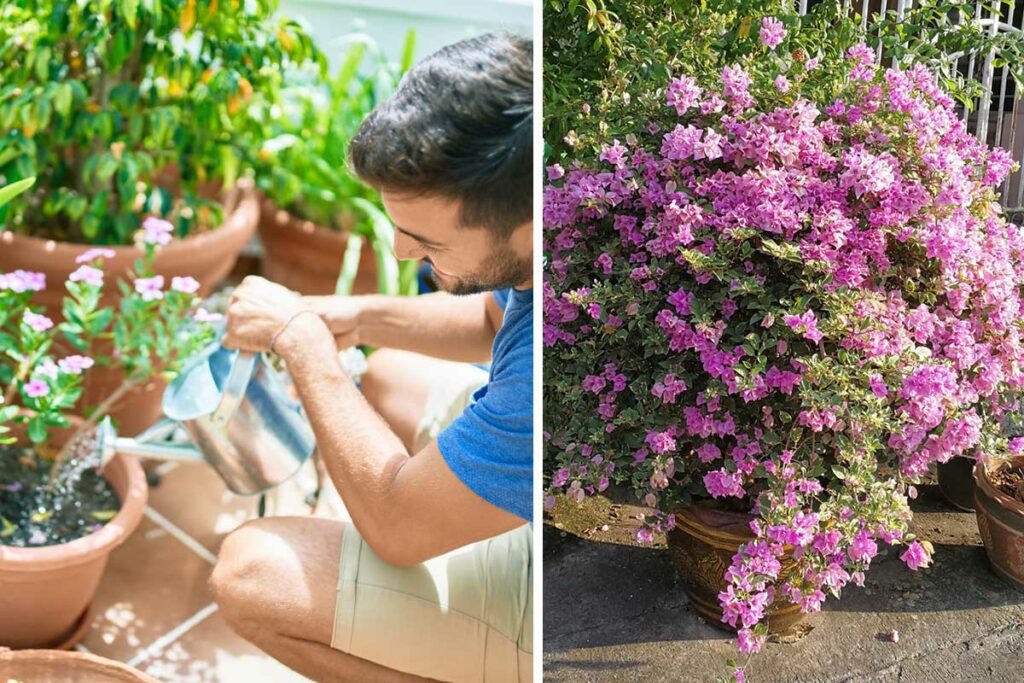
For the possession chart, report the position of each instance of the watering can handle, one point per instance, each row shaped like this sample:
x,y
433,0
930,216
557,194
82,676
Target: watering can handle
x,y
234,387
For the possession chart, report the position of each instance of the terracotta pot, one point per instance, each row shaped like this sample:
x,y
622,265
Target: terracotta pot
x,y
701,546
956,482
306,257
66,667
1001,524
208,257
46,592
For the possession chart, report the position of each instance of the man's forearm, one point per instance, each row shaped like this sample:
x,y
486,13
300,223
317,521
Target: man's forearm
x,y
362,454
440,325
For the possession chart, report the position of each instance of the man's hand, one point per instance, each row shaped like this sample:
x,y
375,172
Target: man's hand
x,y
258,310
341,314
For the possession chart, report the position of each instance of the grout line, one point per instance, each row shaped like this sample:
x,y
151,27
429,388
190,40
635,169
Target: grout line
x,y
175,531
172,635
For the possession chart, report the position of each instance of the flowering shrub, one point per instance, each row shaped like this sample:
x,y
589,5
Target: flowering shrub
x,y
783,306
43,364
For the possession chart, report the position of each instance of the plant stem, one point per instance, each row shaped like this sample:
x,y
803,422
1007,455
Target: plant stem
x,y
101,410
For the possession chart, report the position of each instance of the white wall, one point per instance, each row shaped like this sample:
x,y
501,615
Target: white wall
x,y
437,22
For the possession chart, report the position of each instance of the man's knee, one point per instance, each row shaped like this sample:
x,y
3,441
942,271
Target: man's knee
x,y
244,574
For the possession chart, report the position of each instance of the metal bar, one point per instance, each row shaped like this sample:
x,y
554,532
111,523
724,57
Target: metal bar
x,y
864,15
1017,114
987,74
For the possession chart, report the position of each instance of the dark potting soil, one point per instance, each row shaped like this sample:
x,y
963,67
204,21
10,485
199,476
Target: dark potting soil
x,y
1009,479
31,515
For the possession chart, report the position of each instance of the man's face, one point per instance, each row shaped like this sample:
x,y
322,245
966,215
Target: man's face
x,y
464,260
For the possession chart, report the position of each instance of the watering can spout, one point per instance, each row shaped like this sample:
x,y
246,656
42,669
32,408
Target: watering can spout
x,y
110,443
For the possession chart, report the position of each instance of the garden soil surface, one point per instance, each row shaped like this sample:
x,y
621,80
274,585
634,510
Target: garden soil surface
x,y
32,514
615,611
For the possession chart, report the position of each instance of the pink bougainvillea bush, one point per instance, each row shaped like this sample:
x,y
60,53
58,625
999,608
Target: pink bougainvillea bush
x,y
786,307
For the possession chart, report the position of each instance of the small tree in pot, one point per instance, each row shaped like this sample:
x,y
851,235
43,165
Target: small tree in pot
x,y
786,307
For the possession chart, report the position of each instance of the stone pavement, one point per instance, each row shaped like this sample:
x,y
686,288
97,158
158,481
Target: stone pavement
x,y
614,611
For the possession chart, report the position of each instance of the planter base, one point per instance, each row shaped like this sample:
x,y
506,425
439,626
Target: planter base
x,y
78,632
1001,525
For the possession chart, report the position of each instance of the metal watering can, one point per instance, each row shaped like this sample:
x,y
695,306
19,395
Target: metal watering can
x,y
240,418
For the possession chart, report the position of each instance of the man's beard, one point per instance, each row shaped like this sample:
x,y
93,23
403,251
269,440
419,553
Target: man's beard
x,y
501,270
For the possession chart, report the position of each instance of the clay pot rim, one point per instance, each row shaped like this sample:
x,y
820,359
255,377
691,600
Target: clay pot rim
x,y
99,542
71,656
235,209
1010,505
277,218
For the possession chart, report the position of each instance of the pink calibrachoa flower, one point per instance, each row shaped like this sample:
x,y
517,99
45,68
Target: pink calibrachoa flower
x,y
157,231
36,388
151,288
772,32
95,253
186,285
87,274
39,323
75,365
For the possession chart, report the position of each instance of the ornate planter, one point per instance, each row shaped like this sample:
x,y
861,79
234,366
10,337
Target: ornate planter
x,y
701,546
1001,524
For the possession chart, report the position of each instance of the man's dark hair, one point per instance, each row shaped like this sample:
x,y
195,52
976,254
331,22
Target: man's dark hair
x,y
460,125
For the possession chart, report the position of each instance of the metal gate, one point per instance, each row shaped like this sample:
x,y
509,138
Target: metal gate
x,y
997,115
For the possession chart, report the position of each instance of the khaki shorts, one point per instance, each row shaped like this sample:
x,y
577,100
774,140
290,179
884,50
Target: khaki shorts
x,y
464,616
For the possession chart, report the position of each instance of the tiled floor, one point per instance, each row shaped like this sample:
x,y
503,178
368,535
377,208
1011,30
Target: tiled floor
x,y
154,609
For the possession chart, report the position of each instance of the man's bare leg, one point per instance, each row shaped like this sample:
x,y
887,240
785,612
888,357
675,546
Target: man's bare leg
x,y
397,384
275,582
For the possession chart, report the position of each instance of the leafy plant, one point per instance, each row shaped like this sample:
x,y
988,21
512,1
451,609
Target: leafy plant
x,y
302,162
155,328
124,108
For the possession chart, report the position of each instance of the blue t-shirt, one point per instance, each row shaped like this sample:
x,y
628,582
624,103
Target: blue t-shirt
x,y
490,446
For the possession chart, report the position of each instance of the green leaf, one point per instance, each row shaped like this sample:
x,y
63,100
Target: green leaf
x,y
408,49
383,239
349,265
104,515
14,189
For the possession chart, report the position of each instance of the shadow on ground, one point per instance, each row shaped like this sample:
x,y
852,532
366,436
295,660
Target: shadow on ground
x,y
615,611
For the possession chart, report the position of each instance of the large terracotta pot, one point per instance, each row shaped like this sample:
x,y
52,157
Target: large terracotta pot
x,y
306,257
46,592
66,667
1001,524
701,546
956,481
208,257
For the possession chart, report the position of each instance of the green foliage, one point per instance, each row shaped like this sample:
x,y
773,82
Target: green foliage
x,y
302,157
99,99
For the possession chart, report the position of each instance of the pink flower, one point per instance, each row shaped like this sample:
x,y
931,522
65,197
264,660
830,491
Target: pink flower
x,y
95,253
614,154
75,365
89,275
878,387
805,324
555,171
157,231
863,547
20,281
781,83
916,556
772,32
722,484
683,93
185,285
36,388
151,288
39,323
204,316
47,368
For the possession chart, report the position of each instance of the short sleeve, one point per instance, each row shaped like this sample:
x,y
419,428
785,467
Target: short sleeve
x,y
490,446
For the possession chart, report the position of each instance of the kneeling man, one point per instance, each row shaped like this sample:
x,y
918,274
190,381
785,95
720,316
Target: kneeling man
x,y
433,457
